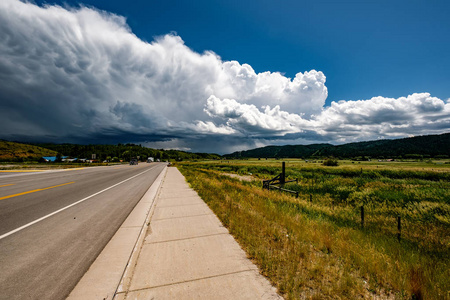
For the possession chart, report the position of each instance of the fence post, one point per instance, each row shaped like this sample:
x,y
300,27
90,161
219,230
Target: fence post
x,y
399,228
283,174
362,216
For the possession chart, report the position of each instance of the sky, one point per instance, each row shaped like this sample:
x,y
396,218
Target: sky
x,y
223,76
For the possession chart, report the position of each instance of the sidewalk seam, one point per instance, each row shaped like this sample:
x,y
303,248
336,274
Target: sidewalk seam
x,y
180,204
193,280
183,217
177,197
185,239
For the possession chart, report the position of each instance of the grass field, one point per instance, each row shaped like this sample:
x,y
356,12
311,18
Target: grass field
x,y
318,249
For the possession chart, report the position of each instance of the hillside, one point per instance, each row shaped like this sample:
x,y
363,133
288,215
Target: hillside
x,y
426,146
12,151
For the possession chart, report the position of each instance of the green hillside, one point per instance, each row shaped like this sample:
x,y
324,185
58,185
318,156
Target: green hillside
x,y
426,146
12,151
415,147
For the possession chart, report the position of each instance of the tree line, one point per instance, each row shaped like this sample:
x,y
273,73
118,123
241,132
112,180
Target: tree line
x,y
123,152
420,147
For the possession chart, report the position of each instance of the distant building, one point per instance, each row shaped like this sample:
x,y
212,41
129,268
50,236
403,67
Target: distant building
x,y
69,159
51,158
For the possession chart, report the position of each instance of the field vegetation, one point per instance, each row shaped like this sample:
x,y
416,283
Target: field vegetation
x,y
11,151
315,246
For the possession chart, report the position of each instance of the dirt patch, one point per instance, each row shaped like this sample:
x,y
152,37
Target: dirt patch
x,y
240,177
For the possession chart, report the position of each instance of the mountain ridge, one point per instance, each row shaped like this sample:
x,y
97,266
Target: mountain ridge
x,y
418,146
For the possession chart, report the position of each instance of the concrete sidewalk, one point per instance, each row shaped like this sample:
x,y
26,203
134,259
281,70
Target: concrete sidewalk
x,y
188,254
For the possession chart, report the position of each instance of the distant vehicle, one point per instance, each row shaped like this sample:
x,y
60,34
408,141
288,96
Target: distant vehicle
x,y
134,161
150,159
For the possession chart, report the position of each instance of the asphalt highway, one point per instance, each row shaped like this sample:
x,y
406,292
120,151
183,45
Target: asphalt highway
x,y
54,224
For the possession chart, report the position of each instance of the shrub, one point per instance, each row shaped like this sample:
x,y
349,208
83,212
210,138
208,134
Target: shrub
x,y
330,162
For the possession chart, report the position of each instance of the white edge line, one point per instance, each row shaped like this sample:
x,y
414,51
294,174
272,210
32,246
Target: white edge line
x,y
68,206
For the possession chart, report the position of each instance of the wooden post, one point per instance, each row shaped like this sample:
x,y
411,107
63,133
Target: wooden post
x,y
283,173
399,228
362,216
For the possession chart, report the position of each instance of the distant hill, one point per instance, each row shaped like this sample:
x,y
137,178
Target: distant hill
x,y
12,151
426,146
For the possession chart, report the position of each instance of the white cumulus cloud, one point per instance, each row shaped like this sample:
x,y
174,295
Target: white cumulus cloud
x,y
249,119
81,75
416,114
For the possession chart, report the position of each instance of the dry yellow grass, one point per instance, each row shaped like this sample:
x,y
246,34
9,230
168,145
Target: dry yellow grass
x,y
307,255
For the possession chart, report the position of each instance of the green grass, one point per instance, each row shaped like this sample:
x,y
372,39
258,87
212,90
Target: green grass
x,y
319,249
11,151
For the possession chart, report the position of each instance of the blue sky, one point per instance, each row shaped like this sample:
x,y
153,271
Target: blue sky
x,y
221,76
389,48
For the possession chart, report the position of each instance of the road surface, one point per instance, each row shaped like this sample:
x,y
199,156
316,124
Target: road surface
x,y
54,224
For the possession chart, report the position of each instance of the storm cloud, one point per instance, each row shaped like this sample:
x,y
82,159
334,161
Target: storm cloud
x,y
81,75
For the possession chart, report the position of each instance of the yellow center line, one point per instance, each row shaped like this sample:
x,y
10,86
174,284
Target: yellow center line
x,y
33,191
6,185
73,169
20,171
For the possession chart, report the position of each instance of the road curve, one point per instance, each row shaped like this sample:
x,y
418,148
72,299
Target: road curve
x,y
54,224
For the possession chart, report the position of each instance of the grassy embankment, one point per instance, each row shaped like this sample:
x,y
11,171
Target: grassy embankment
x,y
318,249
11,151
